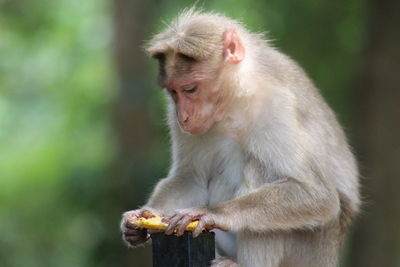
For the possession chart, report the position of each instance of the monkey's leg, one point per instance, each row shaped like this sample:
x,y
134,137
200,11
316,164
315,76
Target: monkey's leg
x,y
296,248
313,248
224,262
260,249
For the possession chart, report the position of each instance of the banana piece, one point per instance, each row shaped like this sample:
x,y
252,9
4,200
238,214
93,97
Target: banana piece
x,y
156,223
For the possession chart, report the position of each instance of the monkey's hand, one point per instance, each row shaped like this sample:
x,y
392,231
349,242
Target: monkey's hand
x,y
131,234
182,217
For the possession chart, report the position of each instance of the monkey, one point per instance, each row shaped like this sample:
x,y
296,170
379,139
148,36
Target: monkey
x,y
257,153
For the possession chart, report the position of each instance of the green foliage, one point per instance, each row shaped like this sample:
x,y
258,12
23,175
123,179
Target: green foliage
x,y
56,84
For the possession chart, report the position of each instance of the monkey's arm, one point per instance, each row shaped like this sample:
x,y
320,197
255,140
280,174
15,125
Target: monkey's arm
x,y
287,205
170,193
176,192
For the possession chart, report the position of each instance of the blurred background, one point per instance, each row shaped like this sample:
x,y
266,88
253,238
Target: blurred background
x,y
82,135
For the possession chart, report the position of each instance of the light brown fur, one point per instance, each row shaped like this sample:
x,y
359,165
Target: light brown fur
x,y
255,149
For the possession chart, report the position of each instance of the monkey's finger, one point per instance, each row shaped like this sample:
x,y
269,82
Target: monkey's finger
x,y
135,239
166,219
147,214
131,224
173,220
172,223
200,227
154,231
182,224
222,228
142,233
129,231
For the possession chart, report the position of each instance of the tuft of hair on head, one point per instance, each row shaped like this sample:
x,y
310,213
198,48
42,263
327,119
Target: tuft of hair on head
x,y
200,35
195,33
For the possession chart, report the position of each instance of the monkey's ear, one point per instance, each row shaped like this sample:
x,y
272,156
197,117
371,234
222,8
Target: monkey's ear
x,y
233,47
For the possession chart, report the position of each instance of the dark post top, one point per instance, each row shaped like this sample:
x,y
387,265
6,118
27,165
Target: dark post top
x,y
183,251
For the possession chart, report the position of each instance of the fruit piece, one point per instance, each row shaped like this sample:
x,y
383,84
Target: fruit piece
x,y
157,224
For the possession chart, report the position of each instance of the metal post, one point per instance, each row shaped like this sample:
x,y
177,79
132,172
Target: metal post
x,y
183,251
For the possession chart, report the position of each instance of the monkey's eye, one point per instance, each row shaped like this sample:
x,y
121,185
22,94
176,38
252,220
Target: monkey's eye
x,y
159,56
186,57
190,89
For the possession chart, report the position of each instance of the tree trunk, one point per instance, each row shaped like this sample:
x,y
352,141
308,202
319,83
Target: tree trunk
x,y
376,241
126,183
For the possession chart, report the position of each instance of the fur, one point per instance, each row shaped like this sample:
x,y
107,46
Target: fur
x,y
276,170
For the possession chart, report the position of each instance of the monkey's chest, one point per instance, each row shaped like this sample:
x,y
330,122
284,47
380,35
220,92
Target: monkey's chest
x,y
226,181
226,178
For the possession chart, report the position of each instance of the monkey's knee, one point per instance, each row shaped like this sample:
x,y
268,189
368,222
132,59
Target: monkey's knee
x,y
224,262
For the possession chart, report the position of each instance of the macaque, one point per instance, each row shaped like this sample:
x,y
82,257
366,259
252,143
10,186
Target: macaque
x,y
257,154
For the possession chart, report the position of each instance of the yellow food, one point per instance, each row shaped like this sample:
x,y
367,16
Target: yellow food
x,y
157,224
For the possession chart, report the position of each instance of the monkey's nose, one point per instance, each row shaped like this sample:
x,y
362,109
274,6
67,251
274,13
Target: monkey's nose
x,y
185,118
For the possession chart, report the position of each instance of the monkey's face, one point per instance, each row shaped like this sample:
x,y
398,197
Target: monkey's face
x,y
194,88
193,69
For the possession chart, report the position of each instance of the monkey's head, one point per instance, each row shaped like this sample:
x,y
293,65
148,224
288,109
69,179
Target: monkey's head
x,y
197,54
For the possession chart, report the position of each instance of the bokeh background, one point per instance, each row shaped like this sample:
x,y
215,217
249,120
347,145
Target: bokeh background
x,y
82,134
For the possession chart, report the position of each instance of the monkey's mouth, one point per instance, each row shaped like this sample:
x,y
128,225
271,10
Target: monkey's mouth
x,y
199,129
191,130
